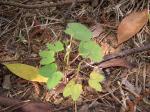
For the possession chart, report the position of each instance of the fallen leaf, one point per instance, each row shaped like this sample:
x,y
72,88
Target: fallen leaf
x,y
96,30
131,25
26,72
115,62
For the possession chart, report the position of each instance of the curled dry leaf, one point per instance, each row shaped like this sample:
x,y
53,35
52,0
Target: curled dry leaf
x,y
115,62
131,24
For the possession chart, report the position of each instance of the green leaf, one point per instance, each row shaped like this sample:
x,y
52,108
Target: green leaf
x,y
94,75
56,47
54,79
47,57
79,31
45,54
91,50
76,91
73,90
46,61
26,72
67,90
94,84
48,70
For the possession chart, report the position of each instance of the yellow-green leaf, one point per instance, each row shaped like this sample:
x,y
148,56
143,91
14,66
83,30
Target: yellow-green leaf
x,y
76,91
67,90
96,85
26,72
94,75
73,90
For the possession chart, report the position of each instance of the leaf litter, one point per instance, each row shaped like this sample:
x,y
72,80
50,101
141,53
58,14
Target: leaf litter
x,y
128,28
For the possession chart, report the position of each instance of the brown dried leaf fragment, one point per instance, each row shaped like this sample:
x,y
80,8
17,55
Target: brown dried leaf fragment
x,y
131,25
97,29
118,62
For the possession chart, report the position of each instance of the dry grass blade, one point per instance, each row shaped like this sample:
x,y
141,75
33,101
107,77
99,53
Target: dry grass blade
x,y
131,24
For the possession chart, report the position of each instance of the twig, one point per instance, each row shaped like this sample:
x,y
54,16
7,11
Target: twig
x,y
20,60
125,53
44,5
12,104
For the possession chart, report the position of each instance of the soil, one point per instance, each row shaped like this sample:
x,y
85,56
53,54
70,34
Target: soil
x,y
25,31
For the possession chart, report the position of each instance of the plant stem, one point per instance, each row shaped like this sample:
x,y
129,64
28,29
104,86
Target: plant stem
x,y
68,50
75,106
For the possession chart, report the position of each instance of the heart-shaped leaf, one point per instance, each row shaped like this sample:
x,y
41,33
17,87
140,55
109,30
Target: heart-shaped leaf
x,y
54,79
94,84
95,79
73,90
131,25
26,72
91,50
78,31
76,91
94,75
67,90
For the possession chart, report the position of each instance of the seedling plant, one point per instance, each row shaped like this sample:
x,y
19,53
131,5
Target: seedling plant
x,y
51,73
88,50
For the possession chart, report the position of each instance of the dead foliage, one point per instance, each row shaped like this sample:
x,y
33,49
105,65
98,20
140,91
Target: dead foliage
x,y
24,30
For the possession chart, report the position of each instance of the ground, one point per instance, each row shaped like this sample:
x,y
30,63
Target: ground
x,y
25,31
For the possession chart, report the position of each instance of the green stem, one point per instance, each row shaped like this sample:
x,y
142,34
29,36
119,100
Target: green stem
x,y
67,57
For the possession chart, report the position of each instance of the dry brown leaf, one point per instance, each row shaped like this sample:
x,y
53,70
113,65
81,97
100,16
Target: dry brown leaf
x,y
97,29
131,24
115,62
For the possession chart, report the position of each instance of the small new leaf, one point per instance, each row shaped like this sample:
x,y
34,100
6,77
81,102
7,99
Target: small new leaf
x,y
94,75
76,91
54,79
91,50
48,70
67,90
94,84
73,90
78,31
95,79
